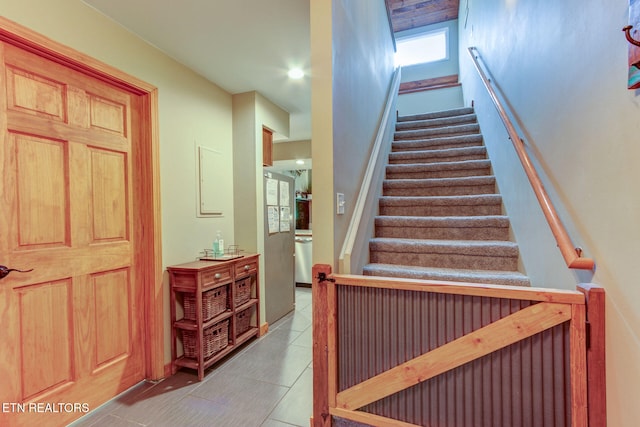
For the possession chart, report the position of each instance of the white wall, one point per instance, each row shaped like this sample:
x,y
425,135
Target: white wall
x,y
192,111
429,101
562,66
352,62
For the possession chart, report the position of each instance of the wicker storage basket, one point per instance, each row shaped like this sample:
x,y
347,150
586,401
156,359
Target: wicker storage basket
x,y
242,291
215,338
214,302
243,321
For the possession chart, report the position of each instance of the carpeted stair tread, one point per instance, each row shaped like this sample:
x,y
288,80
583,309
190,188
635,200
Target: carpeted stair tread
x,y
466,247
509,278
437,132
469,200
434,156
438,182
436,114
443,221
436,122
465,254
439,170
439,186
462,205
491,227
443,142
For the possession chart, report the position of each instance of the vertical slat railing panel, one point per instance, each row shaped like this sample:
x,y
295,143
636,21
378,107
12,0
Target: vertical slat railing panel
x,y
526,348
378,324
523,384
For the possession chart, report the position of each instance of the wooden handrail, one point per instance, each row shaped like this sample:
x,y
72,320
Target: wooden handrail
x,y
571,254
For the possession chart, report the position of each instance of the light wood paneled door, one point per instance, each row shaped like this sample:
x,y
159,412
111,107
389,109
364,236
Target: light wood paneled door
x,y
71,329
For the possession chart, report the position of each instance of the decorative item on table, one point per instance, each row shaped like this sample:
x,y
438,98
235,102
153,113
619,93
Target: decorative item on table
x,y
221,253
218,244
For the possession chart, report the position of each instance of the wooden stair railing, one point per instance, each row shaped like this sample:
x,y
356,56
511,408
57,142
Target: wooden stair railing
x,y
571,254
401,352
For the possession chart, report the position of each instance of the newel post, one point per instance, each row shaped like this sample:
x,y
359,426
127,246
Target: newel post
x,y
596,362
320,304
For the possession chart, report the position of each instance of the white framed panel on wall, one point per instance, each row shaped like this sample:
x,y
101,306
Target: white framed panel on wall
x,y
211,178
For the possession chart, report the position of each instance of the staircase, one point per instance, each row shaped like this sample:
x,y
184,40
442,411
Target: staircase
x,y
440,216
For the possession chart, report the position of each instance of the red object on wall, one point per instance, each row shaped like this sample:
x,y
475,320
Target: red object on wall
x,y
633,32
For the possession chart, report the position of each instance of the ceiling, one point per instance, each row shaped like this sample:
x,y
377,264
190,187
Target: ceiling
x,y
247,45
240,45
408,14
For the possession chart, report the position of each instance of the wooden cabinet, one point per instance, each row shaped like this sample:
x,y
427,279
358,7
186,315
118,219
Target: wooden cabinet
x,y
214,309
267,147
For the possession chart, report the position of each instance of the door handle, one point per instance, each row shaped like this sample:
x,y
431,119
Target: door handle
x,y
4,271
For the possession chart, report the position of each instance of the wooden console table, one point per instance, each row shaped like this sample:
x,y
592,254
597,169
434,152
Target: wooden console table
x,y
214,309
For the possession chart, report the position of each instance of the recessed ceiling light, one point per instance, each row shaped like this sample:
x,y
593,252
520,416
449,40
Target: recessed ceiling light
x,y
296,73
300,162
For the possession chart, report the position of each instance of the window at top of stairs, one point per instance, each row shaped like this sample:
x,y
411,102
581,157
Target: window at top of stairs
x,y
423,47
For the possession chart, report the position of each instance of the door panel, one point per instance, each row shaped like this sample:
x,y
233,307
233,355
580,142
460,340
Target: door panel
x,y
34,94
107,115
111,310
41,191
45,323
109,195
73,326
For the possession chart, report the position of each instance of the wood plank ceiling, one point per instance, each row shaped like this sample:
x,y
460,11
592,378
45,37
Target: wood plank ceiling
x,y
408,14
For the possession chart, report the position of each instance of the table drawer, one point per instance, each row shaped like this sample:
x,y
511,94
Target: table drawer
x,y
249,266
216,276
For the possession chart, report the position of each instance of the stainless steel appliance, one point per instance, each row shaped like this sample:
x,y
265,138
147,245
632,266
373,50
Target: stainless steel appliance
x,y
304,241
279,251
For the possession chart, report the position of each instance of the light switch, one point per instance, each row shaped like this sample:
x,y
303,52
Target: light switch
x,y
340,203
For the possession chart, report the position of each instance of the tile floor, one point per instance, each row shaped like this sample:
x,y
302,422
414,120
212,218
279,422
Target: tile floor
x,y
267,383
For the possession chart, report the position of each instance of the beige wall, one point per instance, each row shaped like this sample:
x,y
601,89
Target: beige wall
x,y
252,111
352,62
562,66
192,112
246,160
322,130
292,150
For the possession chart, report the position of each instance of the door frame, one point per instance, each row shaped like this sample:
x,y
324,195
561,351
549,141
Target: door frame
x,y
146,177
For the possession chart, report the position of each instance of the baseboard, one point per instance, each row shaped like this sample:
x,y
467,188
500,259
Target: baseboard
x,y
264,328
168,370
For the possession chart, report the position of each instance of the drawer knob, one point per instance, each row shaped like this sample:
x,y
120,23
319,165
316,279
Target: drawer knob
x,y
218,276
247,267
